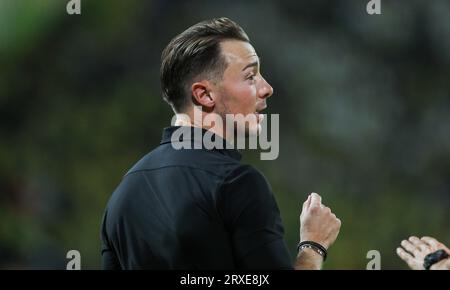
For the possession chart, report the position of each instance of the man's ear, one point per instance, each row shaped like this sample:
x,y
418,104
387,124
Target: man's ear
x,y
201,94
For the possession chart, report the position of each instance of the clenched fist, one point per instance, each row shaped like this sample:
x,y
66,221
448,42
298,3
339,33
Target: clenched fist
x,y
318,223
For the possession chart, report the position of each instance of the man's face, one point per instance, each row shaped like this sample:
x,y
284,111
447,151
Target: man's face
x,y
242,89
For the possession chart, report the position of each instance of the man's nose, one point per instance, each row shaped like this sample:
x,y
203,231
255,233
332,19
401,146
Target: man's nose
x,y
265,90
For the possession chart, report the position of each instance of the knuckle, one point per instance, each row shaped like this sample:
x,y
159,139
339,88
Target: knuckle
x,y
314,208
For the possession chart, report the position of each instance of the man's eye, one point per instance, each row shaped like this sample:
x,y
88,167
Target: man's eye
x,y
251,77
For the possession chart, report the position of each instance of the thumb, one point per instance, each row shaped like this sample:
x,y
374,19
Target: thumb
x,y
307,202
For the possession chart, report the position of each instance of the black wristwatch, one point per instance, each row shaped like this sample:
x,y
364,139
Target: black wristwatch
x,y
433,258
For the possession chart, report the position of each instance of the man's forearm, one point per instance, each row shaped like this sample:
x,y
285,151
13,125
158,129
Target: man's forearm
x,y
308,259
442,265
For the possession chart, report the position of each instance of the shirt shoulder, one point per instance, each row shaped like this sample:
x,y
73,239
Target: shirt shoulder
x,y
165,156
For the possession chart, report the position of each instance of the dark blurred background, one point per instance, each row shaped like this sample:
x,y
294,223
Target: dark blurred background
x,y
364,104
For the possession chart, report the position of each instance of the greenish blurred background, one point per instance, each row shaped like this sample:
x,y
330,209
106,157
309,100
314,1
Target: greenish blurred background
x,y
364,104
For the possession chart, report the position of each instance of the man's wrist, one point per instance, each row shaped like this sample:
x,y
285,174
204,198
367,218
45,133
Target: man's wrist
x,y
308,259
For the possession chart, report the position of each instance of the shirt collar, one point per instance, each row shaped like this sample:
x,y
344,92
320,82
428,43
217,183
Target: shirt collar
x,y
168,132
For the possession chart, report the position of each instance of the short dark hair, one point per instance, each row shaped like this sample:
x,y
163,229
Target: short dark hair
x,y
194,52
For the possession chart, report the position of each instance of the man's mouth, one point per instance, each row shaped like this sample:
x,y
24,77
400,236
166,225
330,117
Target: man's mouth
x,y
259,115
259,110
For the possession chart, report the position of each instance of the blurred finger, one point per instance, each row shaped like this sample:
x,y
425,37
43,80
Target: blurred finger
x,y
424,247
410,247
315,199
405,256
432,242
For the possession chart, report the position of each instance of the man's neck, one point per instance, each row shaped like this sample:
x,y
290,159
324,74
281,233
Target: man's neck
x,y
188,120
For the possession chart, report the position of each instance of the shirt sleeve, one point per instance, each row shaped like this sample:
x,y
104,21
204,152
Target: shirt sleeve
x,y
109,259
252,217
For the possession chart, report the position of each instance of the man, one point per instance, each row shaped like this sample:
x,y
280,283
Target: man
x,y
414,252
201,208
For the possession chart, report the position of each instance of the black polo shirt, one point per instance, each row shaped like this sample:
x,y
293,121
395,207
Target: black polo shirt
x,y
193,209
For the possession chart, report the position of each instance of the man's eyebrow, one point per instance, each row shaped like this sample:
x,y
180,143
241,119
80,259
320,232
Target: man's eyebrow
x,y
255,63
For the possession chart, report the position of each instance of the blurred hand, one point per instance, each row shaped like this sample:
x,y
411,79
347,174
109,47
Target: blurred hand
x,y
318,223
414,250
